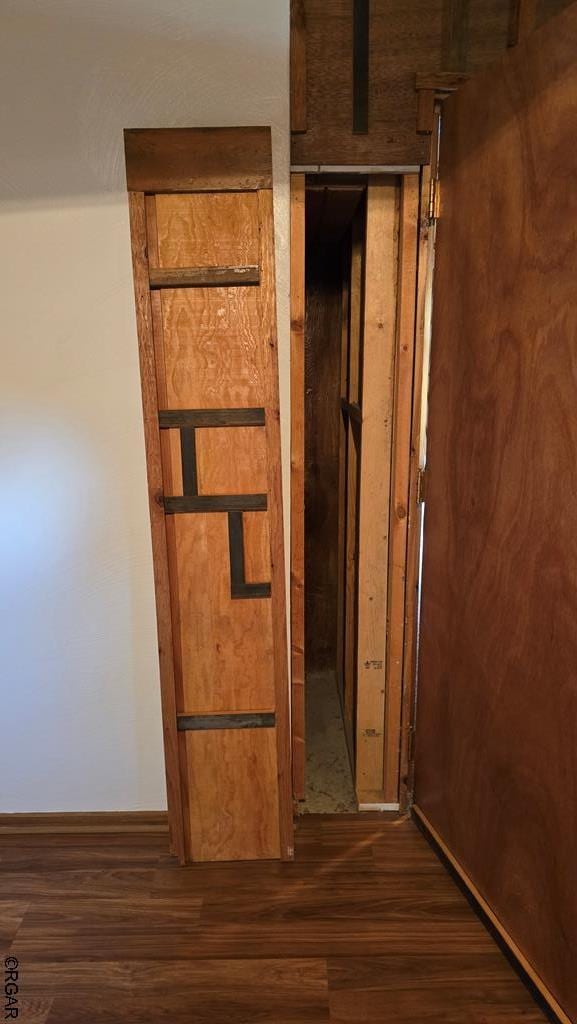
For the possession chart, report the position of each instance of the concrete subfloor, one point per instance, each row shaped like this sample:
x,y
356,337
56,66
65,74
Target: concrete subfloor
x,y
329,783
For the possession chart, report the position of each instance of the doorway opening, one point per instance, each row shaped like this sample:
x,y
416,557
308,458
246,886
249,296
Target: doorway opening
x,y
354,469
334,223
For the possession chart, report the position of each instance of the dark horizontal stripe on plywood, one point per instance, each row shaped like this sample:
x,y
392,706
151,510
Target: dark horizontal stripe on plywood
x,y
360,66
248,590
174,418
203,277
256,720
216,503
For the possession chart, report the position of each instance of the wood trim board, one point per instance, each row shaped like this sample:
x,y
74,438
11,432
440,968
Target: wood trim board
x,y
197,159
70,822
297,530
375,479
155,492
400,482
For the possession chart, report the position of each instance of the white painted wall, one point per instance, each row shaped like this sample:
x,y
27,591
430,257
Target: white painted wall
x,y
80,691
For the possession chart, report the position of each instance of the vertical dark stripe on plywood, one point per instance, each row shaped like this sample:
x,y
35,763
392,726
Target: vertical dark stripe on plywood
x,y
188,458
239,588
360,66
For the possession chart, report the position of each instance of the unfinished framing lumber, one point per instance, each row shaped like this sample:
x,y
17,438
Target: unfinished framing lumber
x,y
425,265
342,491
353,440
400,471
267,309
375,476
297,585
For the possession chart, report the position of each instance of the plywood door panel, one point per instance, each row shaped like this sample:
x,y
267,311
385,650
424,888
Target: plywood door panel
x,y
210,229
225,645
496,758
229,773
212,350
231,461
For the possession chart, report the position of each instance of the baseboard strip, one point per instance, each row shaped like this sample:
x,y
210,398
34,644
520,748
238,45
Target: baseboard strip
x,y
69,822
378,807
485,910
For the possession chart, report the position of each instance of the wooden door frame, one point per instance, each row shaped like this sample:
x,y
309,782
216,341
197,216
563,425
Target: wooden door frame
x,y
197,160
402,548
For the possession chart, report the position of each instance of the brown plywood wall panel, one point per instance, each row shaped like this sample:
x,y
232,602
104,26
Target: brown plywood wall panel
x,y
210,385
416,36
496,758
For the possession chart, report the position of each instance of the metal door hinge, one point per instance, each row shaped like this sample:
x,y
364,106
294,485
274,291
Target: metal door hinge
x,y
433,212
421,486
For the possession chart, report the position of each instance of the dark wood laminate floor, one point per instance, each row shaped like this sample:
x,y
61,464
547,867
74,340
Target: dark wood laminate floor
x,y
365,926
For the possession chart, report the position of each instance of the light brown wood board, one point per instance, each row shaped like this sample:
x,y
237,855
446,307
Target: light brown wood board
x,y
380,281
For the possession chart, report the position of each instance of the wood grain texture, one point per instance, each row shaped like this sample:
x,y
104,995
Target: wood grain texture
x,y
212,348
297,568
233,793
497,711
231,461
400,469
523,20
256,547
207,230
61,822
197,159
148,382
486,912
298,66
364,926
267,310
375,477
225,648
